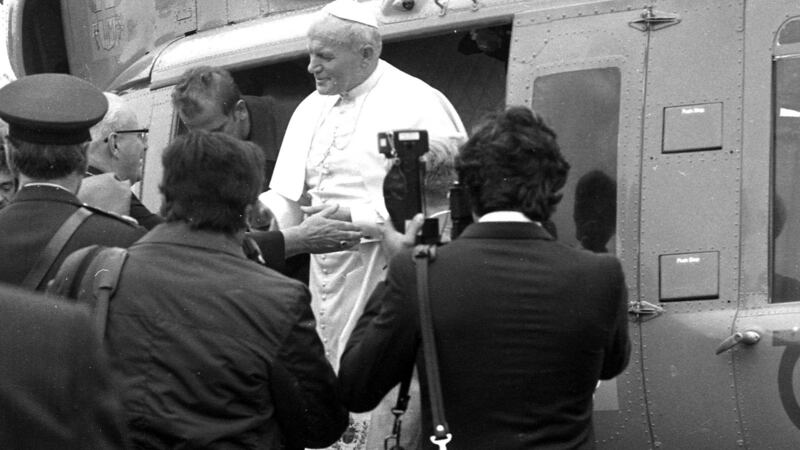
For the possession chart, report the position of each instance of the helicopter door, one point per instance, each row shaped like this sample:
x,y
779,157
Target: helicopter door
x,y
584,75
635,96
691,216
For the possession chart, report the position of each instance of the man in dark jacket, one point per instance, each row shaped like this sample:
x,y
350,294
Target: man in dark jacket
x,y
56,391
212,349
524,326
49,117
207,98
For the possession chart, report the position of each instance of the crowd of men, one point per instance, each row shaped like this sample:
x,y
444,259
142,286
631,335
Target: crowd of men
x,y
270,303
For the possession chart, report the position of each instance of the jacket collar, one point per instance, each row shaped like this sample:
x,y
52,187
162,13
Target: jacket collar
x,y
179,233
38,192
505,230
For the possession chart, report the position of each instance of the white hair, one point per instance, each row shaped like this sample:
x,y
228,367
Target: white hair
x,y
119,116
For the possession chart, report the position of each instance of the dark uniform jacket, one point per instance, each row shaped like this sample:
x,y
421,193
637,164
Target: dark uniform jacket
x,y
29,222
216,351
525,326
56,391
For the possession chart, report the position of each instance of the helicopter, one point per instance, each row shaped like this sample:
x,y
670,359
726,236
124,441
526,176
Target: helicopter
x,y
680,119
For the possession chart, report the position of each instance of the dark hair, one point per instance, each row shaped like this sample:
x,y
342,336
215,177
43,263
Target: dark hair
x,y
210,179
46,161
215,83
513,162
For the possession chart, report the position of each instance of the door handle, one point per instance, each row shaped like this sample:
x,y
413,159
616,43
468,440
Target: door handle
x,y
748,337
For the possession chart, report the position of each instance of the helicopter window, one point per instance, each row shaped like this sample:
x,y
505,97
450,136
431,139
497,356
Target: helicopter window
x,y
786,190
790,33
583,108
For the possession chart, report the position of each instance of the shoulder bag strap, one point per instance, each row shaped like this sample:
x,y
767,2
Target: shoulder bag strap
x,y
54,247
67,282
423,254
100,282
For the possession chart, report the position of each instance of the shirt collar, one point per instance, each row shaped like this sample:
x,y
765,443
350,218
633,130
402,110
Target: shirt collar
x,y
505,230
505,216
367,85
53,185
46,192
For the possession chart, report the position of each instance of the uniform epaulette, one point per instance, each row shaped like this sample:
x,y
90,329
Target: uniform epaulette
x,y
127,219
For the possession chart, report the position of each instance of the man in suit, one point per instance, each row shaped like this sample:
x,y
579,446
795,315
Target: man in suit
x,y
524,325
49,117
116,160
56,391
207,98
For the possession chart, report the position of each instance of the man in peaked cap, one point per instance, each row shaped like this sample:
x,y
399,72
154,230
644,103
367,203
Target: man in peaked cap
x,y
49,117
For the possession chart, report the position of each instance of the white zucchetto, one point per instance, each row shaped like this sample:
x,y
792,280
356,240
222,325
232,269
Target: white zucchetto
x,y
353,11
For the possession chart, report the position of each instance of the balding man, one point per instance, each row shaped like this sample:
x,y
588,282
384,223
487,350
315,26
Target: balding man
x,y
116,160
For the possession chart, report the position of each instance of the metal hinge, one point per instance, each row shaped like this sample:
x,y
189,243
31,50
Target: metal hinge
x,y
642,309
654,20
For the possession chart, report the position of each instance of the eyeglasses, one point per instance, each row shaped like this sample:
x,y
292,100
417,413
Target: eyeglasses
x,y
141,133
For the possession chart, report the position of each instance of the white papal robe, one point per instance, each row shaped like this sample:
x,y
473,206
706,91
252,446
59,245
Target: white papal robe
x,y
330,155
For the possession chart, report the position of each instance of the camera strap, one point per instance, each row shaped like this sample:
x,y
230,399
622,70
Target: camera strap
x,y
392,441
423,255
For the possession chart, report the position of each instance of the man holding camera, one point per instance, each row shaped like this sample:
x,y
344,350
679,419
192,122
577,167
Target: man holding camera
x,y
357,96
524,326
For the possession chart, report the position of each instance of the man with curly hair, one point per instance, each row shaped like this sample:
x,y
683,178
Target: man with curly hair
x,y
524,325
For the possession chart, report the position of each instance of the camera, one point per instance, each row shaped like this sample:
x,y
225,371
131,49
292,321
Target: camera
x,y
403,187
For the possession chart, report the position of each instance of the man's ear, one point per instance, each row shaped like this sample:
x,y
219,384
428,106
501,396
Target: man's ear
x,y
368,53
240,110
111,146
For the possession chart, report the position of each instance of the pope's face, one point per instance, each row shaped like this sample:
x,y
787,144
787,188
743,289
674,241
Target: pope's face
x,y
336,67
